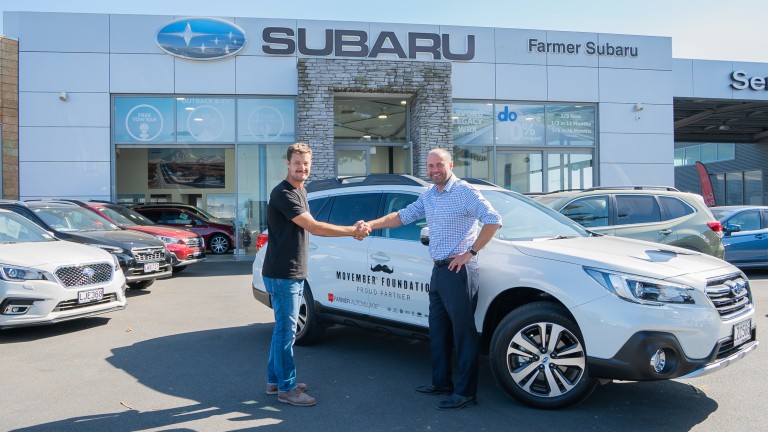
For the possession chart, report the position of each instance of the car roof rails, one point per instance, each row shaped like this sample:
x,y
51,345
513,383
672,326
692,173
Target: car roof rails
x,y
369,180
7,201
43,202
634,187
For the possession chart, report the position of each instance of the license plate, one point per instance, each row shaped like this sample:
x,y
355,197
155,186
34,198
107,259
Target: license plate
x,y
90,296
742,332
151,267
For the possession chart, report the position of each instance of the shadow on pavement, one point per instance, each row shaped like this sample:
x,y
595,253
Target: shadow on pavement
x,y
363,381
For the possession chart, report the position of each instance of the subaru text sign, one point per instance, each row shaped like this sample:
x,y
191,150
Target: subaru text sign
x,y
201,38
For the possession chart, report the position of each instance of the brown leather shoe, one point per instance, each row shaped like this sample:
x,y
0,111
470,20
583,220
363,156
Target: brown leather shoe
x,y
296,397
272,388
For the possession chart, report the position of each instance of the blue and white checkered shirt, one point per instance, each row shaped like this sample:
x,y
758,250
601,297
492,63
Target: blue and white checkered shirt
x,y
452,216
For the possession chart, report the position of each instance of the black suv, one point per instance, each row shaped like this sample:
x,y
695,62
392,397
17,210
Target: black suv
x,y
142,257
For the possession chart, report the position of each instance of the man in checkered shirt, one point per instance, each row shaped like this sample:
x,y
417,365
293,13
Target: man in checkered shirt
x,y
452,208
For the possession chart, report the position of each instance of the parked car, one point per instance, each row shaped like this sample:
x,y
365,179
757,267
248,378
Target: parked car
x,y
245,234
657,214
745,234
44,280
218,237
142,258
185,246
559,308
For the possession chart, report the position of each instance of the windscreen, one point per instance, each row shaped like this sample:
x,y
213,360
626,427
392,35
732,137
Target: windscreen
x,y
74,219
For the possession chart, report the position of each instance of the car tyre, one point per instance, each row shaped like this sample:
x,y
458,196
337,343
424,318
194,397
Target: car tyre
x,y
538,356
219,244
308,330
140,285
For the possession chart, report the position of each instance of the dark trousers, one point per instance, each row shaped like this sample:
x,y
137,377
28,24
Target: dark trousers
x,y
452,304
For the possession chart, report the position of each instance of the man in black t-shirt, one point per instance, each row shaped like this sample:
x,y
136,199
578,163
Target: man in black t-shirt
x,y
289,224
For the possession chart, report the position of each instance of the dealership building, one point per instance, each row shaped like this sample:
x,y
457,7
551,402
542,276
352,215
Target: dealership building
x,y
147,108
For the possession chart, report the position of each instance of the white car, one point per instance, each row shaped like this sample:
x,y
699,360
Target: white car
x,y
560,308
44,280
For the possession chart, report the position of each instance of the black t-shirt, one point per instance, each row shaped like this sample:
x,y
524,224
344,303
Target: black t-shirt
x,y
287,252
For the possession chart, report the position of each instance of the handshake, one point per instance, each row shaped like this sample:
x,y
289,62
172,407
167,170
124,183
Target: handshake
x,y
362,230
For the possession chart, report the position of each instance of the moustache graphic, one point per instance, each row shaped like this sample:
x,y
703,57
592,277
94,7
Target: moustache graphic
x,y
382,267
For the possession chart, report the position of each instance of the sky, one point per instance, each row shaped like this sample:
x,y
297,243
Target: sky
x,y
700,29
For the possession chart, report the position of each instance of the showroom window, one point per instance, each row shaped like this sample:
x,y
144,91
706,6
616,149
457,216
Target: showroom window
x,y
528,148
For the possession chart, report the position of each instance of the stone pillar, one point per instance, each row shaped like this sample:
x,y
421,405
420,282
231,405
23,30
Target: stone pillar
x,y
9,117
427,83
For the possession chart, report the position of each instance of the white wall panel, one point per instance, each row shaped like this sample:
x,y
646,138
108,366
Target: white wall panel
x,y
578,43
622,174
71,72
632,148
206,77
316,32
712,79
135,34
63,32
512,46
485,50
521,82
652,52
683,83
70,179
622,118
141,73
267,75
577,84
81,109
473,80
254,29
626,85
61,144
759,70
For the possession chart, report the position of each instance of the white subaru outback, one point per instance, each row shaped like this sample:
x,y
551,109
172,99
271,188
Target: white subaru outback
x,y
560,308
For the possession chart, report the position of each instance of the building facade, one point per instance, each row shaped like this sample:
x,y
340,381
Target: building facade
x,y
140,108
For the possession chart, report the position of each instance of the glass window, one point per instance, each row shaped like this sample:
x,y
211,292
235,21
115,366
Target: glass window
x,y
412,231
734,188
589,211
679,156
319,210
205,119
708,153
369,120
569,171
674,207
635,209
183,168
473,162
753,187
726,151
266,120
519,124
259,169
718,187
519,171
144,120
570,125
348,209
692,154
747,220
472,123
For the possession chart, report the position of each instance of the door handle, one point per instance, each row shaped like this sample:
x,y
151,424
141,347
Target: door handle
x,y
760,236
379,257
666,231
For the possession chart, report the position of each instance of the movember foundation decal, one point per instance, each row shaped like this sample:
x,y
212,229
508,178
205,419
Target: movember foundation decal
x,y
384,287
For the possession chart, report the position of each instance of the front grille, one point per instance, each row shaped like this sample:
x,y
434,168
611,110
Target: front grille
x,y
84,275
730,295
194,241
72,304
150,254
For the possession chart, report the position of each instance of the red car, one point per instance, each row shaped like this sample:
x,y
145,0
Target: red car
x,y
186,247
218,236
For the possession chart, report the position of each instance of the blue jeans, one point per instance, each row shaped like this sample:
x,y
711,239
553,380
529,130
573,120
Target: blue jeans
x,y
286,300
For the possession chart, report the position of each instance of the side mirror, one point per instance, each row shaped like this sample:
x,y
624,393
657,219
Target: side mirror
x,y
424,236
732,228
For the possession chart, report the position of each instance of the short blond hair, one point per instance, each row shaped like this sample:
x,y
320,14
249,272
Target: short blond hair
x,y
298,148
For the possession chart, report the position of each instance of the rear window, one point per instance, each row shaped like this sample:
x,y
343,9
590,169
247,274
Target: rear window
x,y
675,207
636,209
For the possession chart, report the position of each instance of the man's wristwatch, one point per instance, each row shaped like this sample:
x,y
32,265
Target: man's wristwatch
x,y
472,251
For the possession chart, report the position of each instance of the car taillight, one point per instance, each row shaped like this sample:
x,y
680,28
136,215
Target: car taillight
x,y
261,240
717,227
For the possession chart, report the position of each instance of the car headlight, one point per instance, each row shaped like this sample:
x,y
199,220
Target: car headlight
x,y
116,262
15,273
110,249
169,240
643,290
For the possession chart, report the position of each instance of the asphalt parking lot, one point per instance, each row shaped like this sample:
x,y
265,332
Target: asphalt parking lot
x,y
189,354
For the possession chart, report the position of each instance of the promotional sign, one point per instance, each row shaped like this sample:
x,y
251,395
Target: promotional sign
x,y
520,124
186,168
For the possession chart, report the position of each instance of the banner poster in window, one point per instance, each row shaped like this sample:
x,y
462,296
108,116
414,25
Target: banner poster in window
x,y
520,124
472,123
143,120
186,169
570,125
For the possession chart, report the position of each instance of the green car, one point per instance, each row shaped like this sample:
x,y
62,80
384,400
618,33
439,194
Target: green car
x,y
656,214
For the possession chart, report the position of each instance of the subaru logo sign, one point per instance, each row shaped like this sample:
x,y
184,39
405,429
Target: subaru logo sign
x,y
736,286
201,38
88,272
